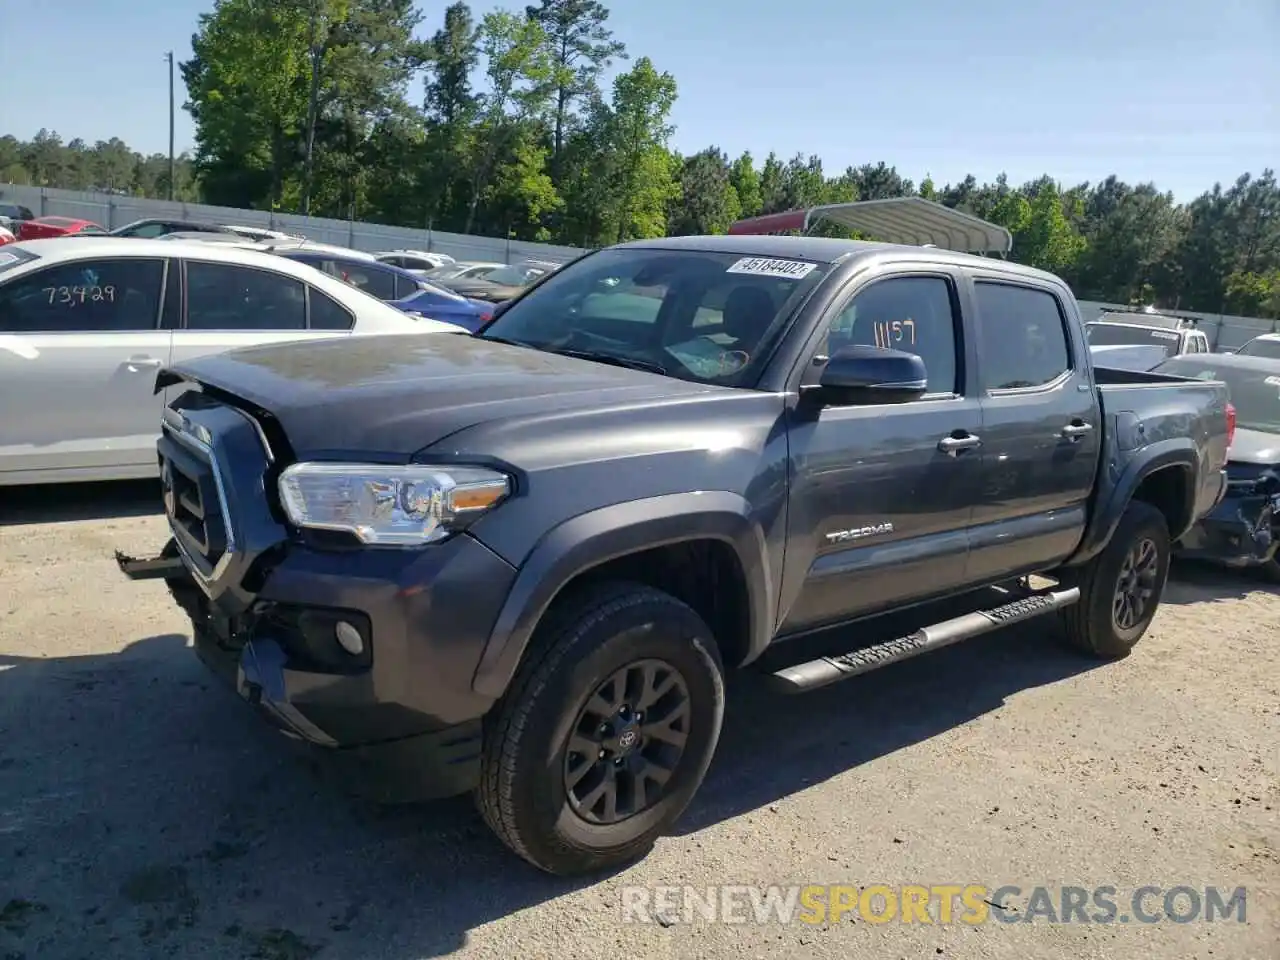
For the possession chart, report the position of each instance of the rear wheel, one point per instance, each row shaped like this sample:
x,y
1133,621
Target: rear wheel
x,y
606,732
1120,588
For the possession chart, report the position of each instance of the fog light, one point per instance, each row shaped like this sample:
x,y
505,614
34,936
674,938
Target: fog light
x,y
349,638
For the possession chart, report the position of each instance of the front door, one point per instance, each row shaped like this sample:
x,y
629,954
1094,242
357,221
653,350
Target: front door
x,y
881,495
1040,432
80,345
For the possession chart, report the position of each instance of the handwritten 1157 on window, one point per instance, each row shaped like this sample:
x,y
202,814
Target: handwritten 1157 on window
x,y
895,333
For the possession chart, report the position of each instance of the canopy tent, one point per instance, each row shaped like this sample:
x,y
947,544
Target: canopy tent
x,y
907,220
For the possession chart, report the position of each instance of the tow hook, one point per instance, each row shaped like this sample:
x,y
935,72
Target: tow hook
x,y
156,568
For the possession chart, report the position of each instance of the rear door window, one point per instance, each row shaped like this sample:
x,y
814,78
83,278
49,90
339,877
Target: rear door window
x,y
372,278
327,313
1022,336
84,296
225,296
405,287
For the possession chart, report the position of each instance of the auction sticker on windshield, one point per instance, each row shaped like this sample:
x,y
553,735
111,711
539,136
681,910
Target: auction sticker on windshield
x,y
766,267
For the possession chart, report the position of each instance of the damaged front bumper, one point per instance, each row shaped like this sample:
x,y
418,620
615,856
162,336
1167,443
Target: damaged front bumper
x,y
1243,530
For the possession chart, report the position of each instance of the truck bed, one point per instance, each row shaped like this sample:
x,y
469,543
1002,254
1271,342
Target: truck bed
x,y
1118,376
1144,410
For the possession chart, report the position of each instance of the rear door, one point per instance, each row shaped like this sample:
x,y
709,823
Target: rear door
x,y
80,344
882,495
228,305
1040,430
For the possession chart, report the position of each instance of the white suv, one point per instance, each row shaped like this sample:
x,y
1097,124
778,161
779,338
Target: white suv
x,y
418,261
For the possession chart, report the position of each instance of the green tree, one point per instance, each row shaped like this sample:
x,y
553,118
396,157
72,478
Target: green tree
x,y
746,183
246,89
451,108
639,129
706,201
1254,294
581,48
519,73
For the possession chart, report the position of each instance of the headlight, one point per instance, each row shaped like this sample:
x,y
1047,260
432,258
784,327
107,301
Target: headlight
x,y
389,505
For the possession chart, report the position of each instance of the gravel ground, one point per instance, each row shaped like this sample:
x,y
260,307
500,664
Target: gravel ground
x,y
144,812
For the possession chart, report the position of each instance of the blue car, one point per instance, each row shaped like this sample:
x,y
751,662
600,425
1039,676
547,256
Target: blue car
x,y
447,306
380,280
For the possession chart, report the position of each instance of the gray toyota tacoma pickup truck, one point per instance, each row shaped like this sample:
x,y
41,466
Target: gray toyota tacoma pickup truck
x,y
520,562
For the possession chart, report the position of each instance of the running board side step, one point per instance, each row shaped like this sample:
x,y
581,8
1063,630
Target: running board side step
x,y
804,677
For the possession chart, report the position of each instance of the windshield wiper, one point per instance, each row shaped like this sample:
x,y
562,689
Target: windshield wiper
x,y
609,358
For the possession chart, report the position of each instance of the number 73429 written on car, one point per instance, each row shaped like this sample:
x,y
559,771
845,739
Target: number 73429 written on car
x,y
75,295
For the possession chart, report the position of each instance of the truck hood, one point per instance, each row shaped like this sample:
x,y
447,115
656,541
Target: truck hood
x,y
385,397
1255,447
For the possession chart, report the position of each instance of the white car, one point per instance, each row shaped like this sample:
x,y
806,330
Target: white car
x,y
416,261
85,326
1263,345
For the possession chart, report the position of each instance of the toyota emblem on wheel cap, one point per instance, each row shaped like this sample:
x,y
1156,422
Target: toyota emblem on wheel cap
x,y
627,740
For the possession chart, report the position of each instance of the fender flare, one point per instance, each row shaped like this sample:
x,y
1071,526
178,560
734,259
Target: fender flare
x,y
596,537
1176,452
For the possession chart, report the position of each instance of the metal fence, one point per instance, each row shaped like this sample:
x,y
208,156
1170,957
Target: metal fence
x,y
111,211
1224,330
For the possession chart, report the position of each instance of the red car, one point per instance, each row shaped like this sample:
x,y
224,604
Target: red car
x,y
44,227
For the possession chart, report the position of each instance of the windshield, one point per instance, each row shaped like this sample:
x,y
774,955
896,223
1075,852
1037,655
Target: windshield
x,y
1261,348
696,315
1117,335
1254,393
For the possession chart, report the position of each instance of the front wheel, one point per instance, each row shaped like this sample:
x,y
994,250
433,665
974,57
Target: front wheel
x,y
606,732
1120,588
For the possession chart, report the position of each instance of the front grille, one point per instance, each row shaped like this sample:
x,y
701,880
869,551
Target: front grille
x,y
193,495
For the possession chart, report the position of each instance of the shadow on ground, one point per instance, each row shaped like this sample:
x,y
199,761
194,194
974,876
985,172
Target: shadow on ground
x,y
79,501
1192,581
144,811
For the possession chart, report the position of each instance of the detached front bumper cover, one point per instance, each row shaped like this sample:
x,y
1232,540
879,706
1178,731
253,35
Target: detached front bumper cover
x,y
160,567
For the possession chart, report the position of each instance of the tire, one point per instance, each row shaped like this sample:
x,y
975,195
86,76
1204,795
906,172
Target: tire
x,y
527,793
1093,624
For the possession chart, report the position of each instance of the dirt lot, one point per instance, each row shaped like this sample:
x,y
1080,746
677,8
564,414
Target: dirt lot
x,y
145,812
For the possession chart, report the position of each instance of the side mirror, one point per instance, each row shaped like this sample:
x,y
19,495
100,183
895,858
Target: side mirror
x,y
861,375
499,309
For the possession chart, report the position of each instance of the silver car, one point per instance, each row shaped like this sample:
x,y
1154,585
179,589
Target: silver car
x,y
85,326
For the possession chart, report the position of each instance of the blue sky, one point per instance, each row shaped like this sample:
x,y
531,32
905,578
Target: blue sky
x,y
1182,92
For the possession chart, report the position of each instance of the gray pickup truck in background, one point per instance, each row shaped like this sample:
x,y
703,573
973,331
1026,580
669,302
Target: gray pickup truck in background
x,y
521,562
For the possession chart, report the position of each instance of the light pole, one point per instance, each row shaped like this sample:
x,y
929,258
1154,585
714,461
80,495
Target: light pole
x,y
169,57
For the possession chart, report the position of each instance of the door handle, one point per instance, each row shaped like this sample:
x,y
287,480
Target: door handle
x,y
952,445
1076,430
135,364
